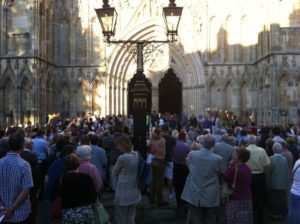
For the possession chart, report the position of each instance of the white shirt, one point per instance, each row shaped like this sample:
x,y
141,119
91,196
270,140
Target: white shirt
x,y
296,180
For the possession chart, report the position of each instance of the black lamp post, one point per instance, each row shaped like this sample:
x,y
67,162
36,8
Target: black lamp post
x,y
108,19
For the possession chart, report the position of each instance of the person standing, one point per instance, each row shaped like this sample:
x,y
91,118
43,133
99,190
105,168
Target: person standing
x,y
181,170
31,158
201,190
98,158
41,150
225,151
78,193
127,194
170,144
279,182
15,183
294,206
258,161
158,150
239,207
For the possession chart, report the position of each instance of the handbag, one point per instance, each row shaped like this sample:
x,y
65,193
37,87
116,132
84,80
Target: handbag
x,y
101,215
227,191
56,209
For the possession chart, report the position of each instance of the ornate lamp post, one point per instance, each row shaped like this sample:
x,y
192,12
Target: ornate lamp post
x,y
108,19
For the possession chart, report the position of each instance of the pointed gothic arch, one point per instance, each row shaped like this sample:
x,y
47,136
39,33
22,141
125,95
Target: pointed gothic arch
x,y
170,93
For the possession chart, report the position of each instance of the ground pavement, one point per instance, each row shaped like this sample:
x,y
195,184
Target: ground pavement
x,y
150,214
145,214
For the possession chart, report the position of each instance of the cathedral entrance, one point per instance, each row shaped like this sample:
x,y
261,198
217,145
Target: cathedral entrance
x,y
170,93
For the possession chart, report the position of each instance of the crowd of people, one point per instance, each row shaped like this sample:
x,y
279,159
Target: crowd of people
x,y
218,172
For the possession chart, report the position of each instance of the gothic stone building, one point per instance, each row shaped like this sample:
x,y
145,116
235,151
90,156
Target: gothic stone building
x,y
240,56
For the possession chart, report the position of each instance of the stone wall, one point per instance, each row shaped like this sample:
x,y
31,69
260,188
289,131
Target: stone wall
x,y
242,58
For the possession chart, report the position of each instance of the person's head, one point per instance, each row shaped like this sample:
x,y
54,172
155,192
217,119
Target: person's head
x,y
208,141
276,130
269,143
277,148
291,141
283,144
16,142
71,162
243,154
28,143
195,146
93,139
84,140
61,142
123,143
84,152
68,149
232,140
175,134
165,128
252,139
156,133
225,138
182,136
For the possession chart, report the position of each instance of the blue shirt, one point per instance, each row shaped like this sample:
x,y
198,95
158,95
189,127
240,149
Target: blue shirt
x,y
40,148
99,159
15,176
181,151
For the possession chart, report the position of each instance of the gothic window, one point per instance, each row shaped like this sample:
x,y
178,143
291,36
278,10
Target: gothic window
x,y
63,38
228,96
80,100
80,43
95,42
214,96
8,99
245,97
284,92
25,100
96,101
17,28
65,99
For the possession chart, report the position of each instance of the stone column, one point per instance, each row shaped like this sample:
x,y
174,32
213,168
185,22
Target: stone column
x,y
110,100
274,91
293,112
34,110
17,104
155,102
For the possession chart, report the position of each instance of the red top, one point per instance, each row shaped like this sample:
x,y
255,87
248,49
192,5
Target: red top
x,y
243,180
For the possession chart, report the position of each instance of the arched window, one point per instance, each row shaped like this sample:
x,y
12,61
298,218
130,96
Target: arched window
x,y
284,92
80,43
95,42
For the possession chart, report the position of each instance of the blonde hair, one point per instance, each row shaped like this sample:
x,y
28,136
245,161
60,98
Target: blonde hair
x,y
195,146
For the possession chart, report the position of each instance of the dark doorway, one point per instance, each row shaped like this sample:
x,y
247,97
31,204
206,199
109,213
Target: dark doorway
x,y
170,93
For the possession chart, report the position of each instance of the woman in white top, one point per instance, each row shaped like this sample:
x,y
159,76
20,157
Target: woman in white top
x,y
127,194
294,208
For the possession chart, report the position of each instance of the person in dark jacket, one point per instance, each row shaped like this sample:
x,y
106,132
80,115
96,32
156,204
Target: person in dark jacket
x,y
78,193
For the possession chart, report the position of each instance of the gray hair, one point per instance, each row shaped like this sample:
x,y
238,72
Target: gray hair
x,y
252,139
208,141
84,152
277,148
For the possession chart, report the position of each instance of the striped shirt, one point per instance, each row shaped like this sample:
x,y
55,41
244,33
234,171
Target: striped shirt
x,y
15,176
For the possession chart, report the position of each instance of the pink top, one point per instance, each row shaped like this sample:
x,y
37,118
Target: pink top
x,y
91,170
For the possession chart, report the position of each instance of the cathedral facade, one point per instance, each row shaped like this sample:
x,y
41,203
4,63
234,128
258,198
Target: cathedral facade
x,y
237,56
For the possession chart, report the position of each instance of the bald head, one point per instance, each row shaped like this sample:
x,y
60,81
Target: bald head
x,y
208,141
277,148
252,140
